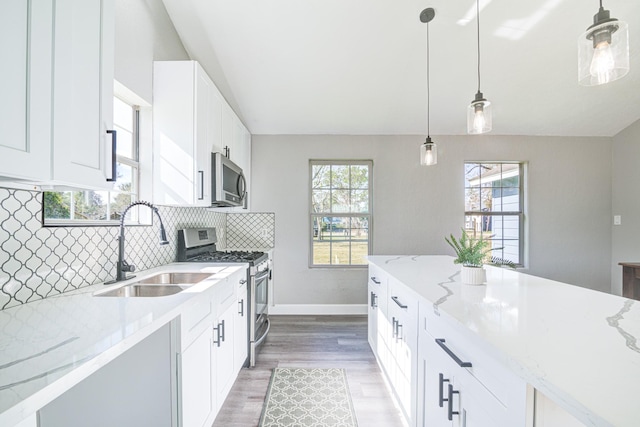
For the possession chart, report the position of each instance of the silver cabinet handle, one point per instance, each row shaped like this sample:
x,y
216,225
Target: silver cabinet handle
x,y
374,300
442,399
374,280
241,312
243,281
201,173
114,147
441,343
450,411
397,301
218,335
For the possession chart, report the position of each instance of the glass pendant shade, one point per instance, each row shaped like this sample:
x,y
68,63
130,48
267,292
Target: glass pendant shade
x,y
428,153
479,116
603,51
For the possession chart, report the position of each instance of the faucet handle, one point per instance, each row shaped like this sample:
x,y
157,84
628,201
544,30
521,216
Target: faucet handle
x,y
128,267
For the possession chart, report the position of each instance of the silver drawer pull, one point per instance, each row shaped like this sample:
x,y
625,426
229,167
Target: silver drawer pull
x,y
401,305
441,343
374,280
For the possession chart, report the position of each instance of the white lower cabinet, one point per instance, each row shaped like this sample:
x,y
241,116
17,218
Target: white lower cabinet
x,y
224,372
197,398
241,326
392,335
439,374
459,384
213,341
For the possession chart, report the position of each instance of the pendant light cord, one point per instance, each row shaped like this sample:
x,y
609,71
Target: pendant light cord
x,y
428,87
478,34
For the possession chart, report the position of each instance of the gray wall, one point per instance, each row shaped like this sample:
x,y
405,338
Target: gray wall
x,y
568,207
144,33
625,202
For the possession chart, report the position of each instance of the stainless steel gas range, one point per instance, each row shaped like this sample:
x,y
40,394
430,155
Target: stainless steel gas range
x,y
199,245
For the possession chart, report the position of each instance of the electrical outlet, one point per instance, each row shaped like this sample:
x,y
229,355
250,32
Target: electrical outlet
x,y
265,232
617,220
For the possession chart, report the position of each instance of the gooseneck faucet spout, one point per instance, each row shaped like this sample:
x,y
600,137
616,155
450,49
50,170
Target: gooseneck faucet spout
x,y
122,267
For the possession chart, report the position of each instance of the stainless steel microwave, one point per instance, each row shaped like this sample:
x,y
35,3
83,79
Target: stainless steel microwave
x,y
228,184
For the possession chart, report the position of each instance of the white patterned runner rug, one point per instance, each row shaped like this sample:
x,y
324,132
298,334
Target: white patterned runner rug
x,y
304,397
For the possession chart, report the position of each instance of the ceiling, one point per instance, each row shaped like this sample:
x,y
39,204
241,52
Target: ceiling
x,y
359,66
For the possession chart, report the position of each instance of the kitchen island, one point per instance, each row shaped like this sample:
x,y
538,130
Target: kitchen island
x,y
575,347
51,345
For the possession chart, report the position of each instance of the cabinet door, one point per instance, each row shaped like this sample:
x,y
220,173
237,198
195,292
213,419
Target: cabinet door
x,y
197,398
228,130
217,108
203,143
436,374
25,112
83,92
241,326
223,354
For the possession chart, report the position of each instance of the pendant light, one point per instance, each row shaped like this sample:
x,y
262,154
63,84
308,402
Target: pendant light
x,y
603,50
479,111
428,150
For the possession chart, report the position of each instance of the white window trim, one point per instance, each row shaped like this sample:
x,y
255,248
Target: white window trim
x,y
522,232
312,214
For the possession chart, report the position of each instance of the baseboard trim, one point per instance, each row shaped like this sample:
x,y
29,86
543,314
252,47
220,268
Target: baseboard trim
x,y
318,309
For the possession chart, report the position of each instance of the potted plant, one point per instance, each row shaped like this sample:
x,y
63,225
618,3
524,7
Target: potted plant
x,y
473,254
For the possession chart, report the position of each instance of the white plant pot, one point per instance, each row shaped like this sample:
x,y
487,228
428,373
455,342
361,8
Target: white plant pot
x,y
473,275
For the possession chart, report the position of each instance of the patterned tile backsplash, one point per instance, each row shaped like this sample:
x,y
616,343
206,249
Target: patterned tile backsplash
x,y
37,262
255,231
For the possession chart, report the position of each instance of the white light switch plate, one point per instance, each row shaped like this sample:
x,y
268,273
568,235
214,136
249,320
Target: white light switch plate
x,y
617,220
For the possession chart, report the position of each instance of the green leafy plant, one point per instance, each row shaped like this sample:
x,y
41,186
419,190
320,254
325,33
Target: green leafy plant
x,y
474,253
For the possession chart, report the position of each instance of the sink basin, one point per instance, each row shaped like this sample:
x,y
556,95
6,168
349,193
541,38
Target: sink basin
x,y
174,278
159,285
137,290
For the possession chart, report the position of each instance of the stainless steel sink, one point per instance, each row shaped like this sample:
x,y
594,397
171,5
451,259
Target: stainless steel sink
x,y
175,278
136,290
159,285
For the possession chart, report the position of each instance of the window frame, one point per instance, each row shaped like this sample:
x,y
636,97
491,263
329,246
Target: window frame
x,y
368,214
135,216
520,214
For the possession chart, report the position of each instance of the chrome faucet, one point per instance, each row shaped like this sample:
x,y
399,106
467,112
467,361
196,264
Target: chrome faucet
x,y
122,267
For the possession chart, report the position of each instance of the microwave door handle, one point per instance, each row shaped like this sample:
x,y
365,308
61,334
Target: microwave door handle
x,y
242,186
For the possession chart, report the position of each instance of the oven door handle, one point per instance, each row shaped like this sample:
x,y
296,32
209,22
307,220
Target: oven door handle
x,y
262,274
264,335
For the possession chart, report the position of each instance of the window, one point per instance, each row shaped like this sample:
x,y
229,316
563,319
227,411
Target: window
x,y
100,207
340,218
494,207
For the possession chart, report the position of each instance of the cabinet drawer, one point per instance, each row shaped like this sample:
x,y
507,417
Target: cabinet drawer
x,y
378,284
400,297
195,318
225,294
487,371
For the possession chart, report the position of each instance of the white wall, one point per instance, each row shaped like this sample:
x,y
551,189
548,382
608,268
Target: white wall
x,y
625,202
569,204
144,33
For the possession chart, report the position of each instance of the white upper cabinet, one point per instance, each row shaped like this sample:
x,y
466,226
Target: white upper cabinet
x,y
192,120
184,99
58,92
25,112
83,93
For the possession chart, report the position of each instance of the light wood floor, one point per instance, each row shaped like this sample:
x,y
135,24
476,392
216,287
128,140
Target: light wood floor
x,y
314,341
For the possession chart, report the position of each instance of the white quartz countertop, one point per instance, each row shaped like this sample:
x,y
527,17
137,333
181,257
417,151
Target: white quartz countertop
x,y
577,346
47,346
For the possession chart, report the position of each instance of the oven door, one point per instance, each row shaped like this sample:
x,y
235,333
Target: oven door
x,y
259,327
